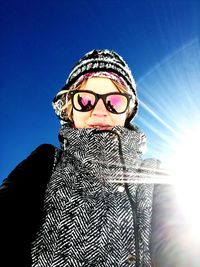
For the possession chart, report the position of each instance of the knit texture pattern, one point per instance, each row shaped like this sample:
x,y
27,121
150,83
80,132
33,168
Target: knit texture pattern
x,y
87,221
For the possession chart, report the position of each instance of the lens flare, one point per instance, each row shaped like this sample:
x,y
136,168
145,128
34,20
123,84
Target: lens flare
x,y
170,116
185,170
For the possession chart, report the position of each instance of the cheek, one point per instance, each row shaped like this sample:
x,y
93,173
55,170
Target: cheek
x,y
119,119
79,118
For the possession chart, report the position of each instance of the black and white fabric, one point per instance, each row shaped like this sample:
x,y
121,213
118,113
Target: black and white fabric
x,y
94,213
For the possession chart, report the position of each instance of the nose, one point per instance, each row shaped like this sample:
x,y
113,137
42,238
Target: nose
x,y
100,109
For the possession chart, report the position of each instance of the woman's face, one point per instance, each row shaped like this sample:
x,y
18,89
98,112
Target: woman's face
x,y
99,117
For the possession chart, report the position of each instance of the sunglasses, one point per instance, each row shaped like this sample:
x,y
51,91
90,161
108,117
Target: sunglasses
x,y
84,100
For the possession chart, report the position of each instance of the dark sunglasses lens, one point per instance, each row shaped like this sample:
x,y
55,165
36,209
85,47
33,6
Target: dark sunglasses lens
x,y
83,101
116,103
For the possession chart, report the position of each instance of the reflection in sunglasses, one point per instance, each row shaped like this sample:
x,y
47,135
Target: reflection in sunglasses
x,y
110,107
85,104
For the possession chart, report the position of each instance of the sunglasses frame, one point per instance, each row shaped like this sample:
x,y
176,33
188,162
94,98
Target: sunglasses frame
x,y
97,97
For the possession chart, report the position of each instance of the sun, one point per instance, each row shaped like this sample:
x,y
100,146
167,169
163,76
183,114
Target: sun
x,y
185,171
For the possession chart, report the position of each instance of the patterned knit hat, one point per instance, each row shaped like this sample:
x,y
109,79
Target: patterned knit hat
x,y
97,61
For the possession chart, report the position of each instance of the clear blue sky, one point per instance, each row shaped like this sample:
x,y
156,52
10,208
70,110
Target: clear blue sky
x,y
40,40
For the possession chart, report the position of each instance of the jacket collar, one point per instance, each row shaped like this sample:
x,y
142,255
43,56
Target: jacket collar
x,y
96,145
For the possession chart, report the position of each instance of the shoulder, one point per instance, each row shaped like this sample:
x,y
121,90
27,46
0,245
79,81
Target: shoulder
x,y
151,163
47,152
150,169
27,182
43,154
44,149
38,164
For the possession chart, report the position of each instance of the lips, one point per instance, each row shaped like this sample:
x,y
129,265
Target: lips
x,y
100,126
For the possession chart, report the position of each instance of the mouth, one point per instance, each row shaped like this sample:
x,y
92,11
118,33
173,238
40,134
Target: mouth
x,y
100,126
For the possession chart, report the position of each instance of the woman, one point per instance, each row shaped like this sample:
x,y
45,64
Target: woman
x,y
85,204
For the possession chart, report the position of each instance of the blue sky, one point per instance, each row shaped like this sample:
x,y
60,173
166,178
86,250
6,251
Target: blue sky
x,y
41,40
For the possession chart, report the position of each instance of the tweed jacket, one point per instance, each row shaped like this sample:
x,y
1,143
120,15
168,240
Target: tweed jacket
x,y
95,214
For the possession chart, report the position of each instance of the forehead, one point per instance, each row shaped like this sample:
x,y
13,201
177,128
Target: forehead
x,y
100,85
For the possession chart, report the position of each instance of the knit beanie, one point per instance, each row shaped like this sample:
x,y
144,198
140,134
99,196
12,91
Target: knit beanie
x,y
96,61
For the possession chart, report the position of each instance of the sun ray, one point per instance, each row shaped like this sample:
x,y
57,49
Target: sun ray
x,y
171,121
